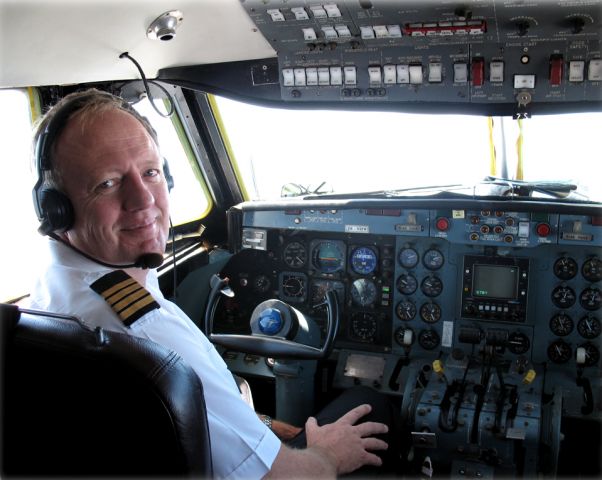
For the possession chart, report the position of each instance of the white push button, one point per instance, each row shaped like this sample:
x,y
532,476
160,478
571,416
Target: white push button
x,y
309,34
496,72
276,15
415,74
350,75
343,30
576,69
366,32
329,32
594,70
375,75
299,77
300,13
332,10
336,76
318,11
389,74
311,76
524,81
403,74
435,72
288,79
460,73
323,76
381,31
394,31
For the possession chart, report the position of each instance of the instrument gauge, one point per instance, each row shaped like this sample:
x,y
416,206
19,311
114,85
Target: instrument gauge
x,y
363,260
431,286
559,351
590,298
293,286
565,268
433,259
428,339
430,312
261,284
518,343
295,255
363,292
591,353
592,269
403,336
561,324
563,296
408,257
329,256
589,327
406,310
363,327
407,284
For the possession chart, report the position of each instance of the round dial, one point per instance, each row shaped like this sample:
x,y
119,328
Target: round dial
x,y
363,327
518,343
559,351
363,292
592,269
565,268
408,257
431,286
589,327
433,259
293,286
563,296
363,260
406,310
430,312
261,283
561,324
592,354
328,257
590,298
407,284
428,339
295,255
403,336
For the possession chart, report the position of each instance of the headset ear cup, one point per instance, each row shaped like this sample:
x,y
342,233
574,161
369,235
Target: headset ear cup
x,y
58,215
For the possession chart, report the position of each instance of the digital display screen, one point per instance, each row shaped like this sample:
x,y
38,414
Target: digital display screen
x,y
495,281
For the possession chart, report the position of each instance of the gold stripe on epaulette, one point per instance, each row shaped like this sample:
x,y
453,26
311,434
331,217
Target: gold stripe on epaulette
x,y
110,291
133,309
129,300
113,299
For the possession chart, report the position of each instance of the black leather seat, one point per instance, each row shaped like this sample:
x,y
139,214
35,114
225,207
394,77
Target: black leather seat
x,y
82,403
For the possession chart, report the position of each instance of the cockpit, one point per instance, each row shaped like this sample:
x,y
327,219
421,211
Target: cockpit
x,y
395,194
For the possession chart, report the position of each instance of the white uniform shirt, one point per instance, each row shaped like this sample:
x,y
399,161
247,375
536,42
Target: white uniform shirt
x,y
241,445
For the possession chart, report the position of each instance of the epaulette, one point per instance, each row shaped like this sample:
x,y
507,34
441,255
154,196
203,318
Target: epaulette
x,y
128,299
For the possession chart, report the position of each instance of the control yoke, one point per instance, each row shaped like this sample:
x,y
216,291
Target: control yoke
x,y
266,344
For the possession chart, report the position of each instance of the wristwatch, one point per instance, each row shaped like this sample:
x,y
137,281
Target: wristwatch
x,y
267,420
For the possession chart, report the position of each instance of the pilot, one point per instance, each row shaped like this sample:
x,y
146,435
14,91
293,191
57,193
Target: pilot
x,y
102,198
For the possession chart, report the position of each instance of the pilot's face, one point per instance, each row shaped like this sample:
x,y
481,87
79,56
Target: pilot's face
x,y
112,172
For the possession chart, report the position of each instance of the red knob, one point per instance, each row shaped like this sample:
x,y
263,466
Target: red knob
x,y
442,224
543,229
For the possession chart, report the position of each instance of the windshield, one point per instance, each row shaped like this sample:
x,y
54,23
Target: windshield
x,y
287,152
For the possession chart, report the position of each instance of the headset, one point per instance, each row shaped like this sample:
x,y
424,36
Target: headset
x,y
53,208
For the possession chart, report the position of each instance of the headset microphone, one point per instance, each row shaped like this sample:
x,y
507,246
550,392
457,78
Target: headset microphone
x,y
145,261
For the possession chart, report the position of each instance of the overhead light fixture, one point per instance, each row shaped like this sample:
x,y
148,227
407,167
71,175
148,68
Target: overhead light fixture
x,y
164,27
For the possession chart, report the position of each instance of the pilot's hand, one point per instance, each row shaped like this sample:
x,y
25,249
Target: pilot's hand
x,y
346,444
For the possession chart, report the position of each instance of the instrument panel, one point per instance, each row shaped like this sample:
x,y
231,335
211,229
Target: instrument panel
x,y
420,281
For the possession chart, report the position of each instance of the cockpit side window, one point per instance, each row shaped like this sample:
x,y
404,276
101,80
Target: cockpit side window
x,y
19,242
